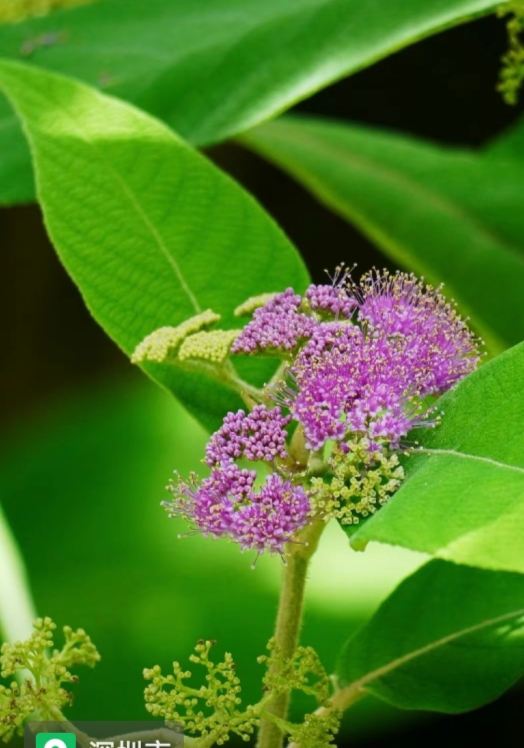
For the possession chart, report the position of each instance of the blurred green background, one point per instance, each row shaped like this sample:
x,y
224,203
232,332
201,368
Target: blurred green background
x,y
88,444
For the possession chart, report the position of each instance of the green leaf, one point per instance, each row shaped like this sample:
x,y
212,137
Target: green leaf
x,y
150,231
214,69
463,498
509,145
450,215
449,639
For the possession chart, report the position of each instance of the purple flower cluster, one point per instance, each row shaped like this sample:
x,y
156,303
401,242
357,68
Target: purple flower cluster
x,y
371,377
227,504
277,326
331,300
287,321
259,435
435,337
359,384
363,360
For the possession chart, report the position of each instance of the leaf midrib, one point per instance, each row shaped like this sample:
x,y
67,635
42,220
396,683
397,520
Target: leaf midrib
x,y
466,456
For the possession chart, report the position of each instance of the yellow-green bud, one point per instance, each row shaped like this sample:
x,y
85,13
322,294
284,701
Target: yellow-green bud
x,y
18,10
212,347
254,302
361,483
39,662
161,345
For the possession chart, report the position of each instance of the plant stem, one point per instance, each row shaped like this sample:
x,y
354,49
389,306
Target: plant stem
x,y
17,611
289,620
230,377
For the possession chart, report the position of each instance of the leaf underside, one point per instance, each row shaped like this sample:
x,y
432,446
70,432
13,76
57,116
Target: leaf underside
x,y
449,638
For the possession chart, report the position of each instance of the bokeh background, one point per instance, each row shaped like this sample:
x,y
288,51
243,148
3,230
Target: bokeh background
x,y
88,444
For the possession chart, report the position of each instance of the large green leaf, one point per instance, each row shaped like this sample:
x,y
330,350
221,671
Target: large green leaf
x,y
463,498
451,215
212,69
449,639
150,231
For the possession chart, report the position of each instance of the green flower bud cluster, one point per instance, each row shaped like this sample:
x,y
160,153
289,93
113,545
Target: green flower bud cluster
x,y
211,710
212,347
162,345
247,308
358,483
512,71
42,671
302,672
191,346
317,730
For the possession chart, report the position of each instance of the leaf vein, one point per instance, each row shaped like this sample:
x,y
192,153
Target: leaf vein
x,y
465,456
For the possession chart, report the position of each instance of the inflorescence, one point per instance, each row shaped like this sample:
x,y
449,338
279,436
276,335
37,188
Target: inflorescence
x,y
512,70
214,710
43,674
361,366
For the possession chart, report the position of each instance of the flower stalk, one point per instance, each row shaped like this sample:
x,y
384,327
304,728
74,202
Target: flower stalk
x,y
289,621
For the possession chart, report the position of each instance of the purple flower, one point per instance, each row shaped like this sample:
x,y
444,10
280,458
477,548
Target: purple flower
x,y
331,300
272,516
358,384
209,504
277,326
259,435
371,378
437,340
227,505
